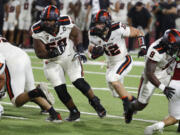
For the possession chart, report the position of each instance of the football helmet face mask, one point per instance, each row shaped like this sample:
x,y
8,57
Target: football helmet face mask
x,y
102,19
49,18
171,41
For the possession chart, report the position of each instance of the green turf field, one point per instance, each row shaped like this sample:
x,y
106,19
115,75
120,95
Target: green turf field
x,y
28,121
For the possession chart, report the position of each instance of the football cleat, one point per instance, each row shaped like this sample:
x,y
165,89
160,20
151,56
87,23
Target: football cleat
x,y
54,118
1,110
128,112
73,117
95,103
45,93
44,112
150,130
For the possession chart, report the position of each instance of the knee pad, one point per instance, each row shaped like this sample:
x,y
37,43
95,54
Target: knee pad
x,y
82,85
62,93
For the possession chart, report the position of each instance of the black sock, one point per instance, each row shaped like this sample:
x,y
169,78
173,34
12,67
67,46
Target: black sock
x,y
52,111
34,93
73,109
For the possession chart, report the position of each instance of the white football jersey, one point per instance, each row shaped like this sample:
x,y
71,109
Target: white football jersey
x,y
115,46
158,54
12,4
122,14
61,41
2,63
26,6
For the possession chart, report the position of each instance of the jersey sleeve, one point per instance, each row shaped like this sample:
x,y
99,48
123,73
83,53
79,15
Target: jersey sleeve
x,y
124,30
2,64
153,54
37,32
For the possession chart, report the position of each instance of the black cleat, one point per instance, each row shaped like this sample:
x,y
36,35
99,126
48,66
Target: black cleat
x,y
56,118
95,103
128,112
73,117
42,112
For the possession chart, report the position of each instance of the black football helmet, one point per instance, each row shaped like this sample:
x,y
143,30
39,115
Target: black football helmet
x,y
102,17
171,41
50,13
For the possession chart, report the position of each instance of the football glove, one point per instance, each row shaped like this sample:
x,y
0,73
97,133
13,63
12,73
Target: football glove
x,y
142,52
141,43
97,51
81,56
169,92
53,52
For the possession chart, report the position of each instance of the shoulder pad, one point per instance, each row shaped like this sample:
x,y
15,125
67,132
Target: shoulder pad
x,y
159,48
36,28
64,20
115,26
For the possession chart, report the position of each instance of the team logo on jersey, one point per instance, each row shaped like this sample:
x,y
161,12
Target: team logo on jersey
x,y
64,28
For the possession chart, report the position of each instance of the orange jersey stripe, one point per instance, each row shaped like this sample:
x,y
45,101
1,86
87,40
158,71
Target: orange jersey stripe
x,y
158,49
8,84
64,20
1,65
129,60
36,28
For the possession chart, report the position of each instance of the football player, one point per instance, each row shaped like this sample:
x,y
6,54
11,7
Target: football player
x,y
157,69
24,21
57,40
109,38
174,102
11,17
17,72
2,81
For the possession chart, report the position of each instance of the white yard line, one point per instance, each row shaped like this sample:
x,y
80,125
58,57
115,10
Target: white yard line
x,y
91,72
14,117
86,113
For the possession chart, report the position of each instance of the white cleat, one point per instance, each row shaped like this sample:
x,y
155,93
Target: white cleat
x,y
49,96
150,130
1,110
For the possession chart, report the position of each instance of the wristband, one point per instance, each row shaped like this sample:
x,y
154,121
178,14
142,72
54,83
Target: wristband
x,y
141,41
162,87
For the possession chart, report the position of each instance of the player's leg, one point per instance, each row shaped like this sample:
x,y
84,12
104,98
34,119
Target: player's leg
x,y
20,74
20,29
5,29
114,77
11,33
55,74
75,73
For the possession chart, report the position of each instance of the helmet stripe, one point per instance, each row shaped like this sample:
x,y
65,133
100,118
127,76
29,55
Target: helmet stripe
x,y
48,13
97,15
174,35
172,38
